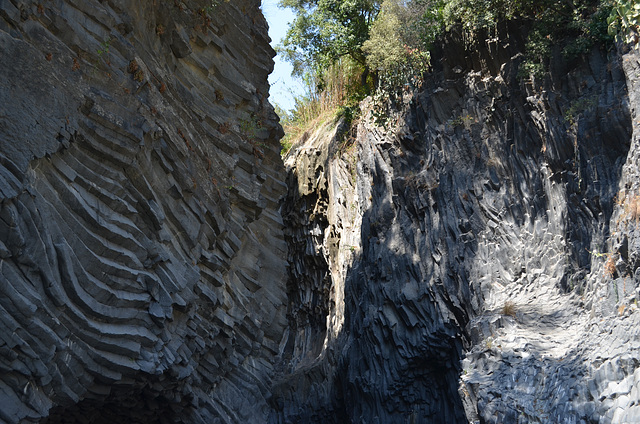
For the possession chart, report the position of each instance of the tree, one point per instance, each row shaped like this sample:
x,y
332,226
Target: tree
x,y
400,37
325,31
624,20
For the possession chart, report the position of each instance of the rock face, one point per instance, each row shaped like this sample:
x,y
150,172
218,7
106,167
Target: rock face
x,y
141,247
474,257
471,258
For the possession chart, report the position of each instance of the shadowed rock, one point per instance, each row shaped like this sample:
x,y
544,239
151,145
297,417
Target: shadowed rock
x,y
141,244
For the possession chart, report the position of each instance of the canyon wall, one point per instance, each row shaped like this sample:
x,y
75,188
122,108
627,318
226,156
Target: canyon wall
x,y
141,248
465,252
474,252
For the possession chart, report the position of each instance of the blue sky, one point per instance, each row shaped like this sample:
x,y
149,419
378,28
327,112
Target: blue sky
x,y
282,84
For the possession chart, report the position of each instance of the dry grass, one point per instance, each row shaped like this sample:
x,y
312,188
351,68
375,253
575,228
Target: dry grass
x,y
630,205
325,96
298,131
610,266
509,308
634,207
619,198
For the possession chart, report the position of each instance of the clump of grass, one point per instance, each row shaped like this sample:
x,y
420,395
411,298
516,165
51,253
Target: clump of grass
x,y
326,95
634,207
610,266
295,129
509,308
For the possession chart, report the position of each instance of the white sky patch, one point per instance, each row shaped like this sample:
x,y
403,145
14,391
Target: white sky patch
x,y
283,86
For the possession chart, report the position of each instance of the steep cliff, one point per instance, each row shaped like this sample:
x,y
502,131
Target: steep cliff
x,y
474,258
140,241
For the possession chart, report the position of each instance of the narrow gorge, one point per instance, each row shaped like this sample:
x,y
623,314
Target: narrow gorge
x,y
467,252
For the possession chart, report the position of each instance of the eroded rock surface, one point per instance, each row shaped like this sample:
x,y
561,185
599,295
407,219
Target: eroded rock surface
x,y
473,258
140,241
478,289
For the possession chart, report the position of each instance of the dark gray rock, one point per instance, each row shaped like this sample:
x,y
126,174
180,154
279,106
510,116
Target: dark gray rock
x,y
180,45
140,242
475,259
476,292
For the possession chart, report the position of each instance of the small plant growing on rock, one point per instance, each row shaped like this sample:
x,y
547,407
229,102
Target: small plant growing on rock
x,y
250,128
213,5
133,66
488,343
139,75
224,127
509,309
104,48
619,198
463,120
134,69
578,107
610,266
634,208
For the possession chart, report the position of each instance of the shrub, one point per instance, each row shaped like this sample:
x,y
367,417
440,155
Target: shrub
x,y
578,107
509,308
624,20
397,44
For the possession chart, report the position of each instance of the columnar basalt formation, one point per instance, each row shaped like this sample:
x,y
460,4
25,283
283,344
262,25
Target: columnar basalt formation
x,y
493,279
140,241
470,257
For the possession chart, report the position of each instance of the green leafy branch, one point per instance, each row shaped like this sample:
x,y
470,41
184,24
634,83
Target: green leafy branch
x,y
624,20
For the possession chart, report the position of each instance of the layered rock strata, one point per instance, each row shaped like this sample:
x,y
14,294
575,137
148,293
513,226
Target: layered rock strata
x,y
470,257
140,241
479,286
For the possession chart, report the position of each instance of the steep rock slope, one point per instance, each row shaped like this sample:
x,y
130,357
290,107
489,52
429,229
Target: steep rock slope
x,y
452,265
141,250
472,258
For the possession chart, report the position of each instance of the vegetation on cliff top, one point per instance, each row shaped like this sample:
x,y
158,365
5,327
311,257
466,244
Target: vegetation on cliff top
x,y
346,50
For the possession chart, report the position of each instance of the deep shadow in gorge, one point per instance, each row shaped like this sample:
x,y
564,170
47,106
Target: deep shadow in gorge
x,y
126,406
403,359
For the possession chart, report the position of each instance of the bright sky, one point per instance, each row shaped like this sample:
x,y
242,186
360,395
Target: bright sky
x,y
282,84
